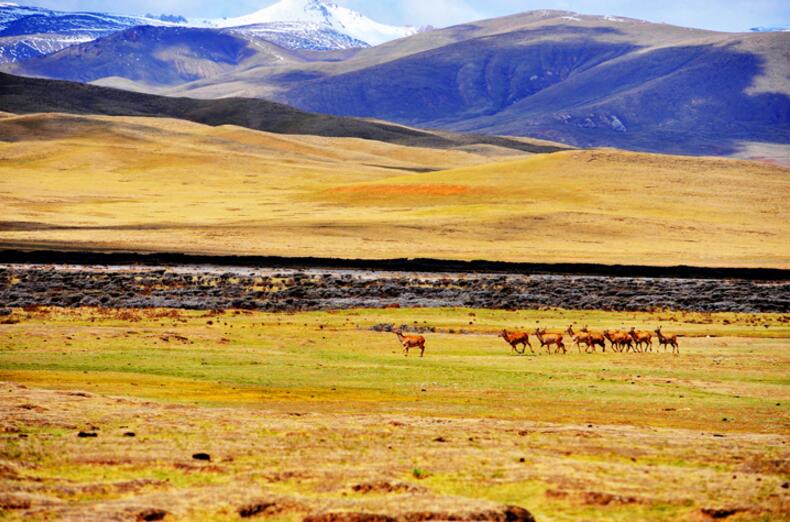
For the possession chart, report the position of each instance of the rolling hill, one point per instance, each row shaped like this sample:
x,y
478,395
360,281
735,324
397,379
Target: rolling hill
x,y
20,95
108,183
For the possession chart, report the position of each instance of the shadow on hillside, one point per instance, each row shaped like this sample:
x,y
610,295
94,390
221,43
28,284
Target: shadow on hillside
x,y
689,100
582,91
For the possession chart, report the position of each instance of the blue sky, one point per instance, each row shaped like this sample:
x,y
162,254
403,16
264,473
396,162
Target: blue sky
x,y
722,15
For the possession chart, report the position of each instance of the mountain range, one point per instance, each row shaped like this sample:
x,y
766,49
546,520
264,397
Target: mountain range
x,y
29,32
588,81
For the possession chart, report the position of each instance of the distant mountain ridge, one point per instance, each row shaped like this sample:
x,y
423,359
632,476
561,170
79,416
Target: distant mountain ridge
x,y
150,55
588,81
769,29
30,32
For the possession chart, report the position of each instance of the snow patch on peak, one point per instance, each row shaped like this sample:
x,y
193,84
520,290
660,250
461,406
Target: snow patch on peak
x,y
300,35
325,14
770,29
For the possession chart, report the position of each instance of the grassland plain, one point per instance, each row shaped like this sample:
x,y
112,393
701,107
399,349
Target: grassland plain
x,y
316,413
112,183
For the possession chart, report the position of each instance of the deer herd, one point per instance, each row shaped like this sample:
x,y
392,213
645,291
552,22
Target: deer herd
x,y
619,340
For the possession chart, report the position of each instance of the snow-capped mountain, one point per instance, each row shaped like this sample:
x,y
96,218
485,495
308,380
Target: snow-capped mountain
x,y
29,32
29,20
299,36
317,25
324,14
10,12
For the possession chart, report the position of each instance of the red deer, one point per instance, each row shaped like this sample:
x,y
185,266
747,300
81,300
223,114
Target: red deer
x,y
641,338
411,341
619,340
548,340
671,340
516,338
596,339
579,339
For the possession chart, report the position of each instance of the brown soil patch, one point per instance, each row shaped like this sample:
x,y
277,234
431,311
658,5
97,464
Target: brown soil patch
x,y
384,487
721,513
506,514
268,508
596,498
150,515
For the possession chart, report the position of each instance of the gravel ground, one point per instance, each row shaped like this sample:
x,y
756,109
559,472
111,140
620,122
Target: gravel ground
x,y
208,287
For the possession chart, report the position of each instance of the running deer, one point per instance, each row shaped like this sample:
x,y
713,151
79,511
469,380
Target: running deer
x,y
595,338
641,338
671,340
411,341
619,340
548,340
516,338
579,339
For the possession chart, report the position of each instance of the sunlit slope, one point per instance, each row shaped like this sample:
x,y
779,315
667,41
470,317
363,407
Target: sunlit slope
x,y
168,185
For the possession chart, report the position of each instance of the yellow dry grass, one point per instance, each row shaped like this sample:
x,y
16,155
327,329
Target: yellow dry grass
x,y
314,413
168,185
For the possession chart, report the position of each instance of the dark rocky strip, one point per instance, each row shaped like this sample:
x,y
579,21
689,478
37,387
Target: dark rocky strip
x,y
9,254
211,287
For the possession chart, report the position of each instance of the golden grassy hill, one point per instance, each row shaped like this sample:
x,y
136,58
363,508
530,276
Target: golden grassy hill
x,y
167,185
